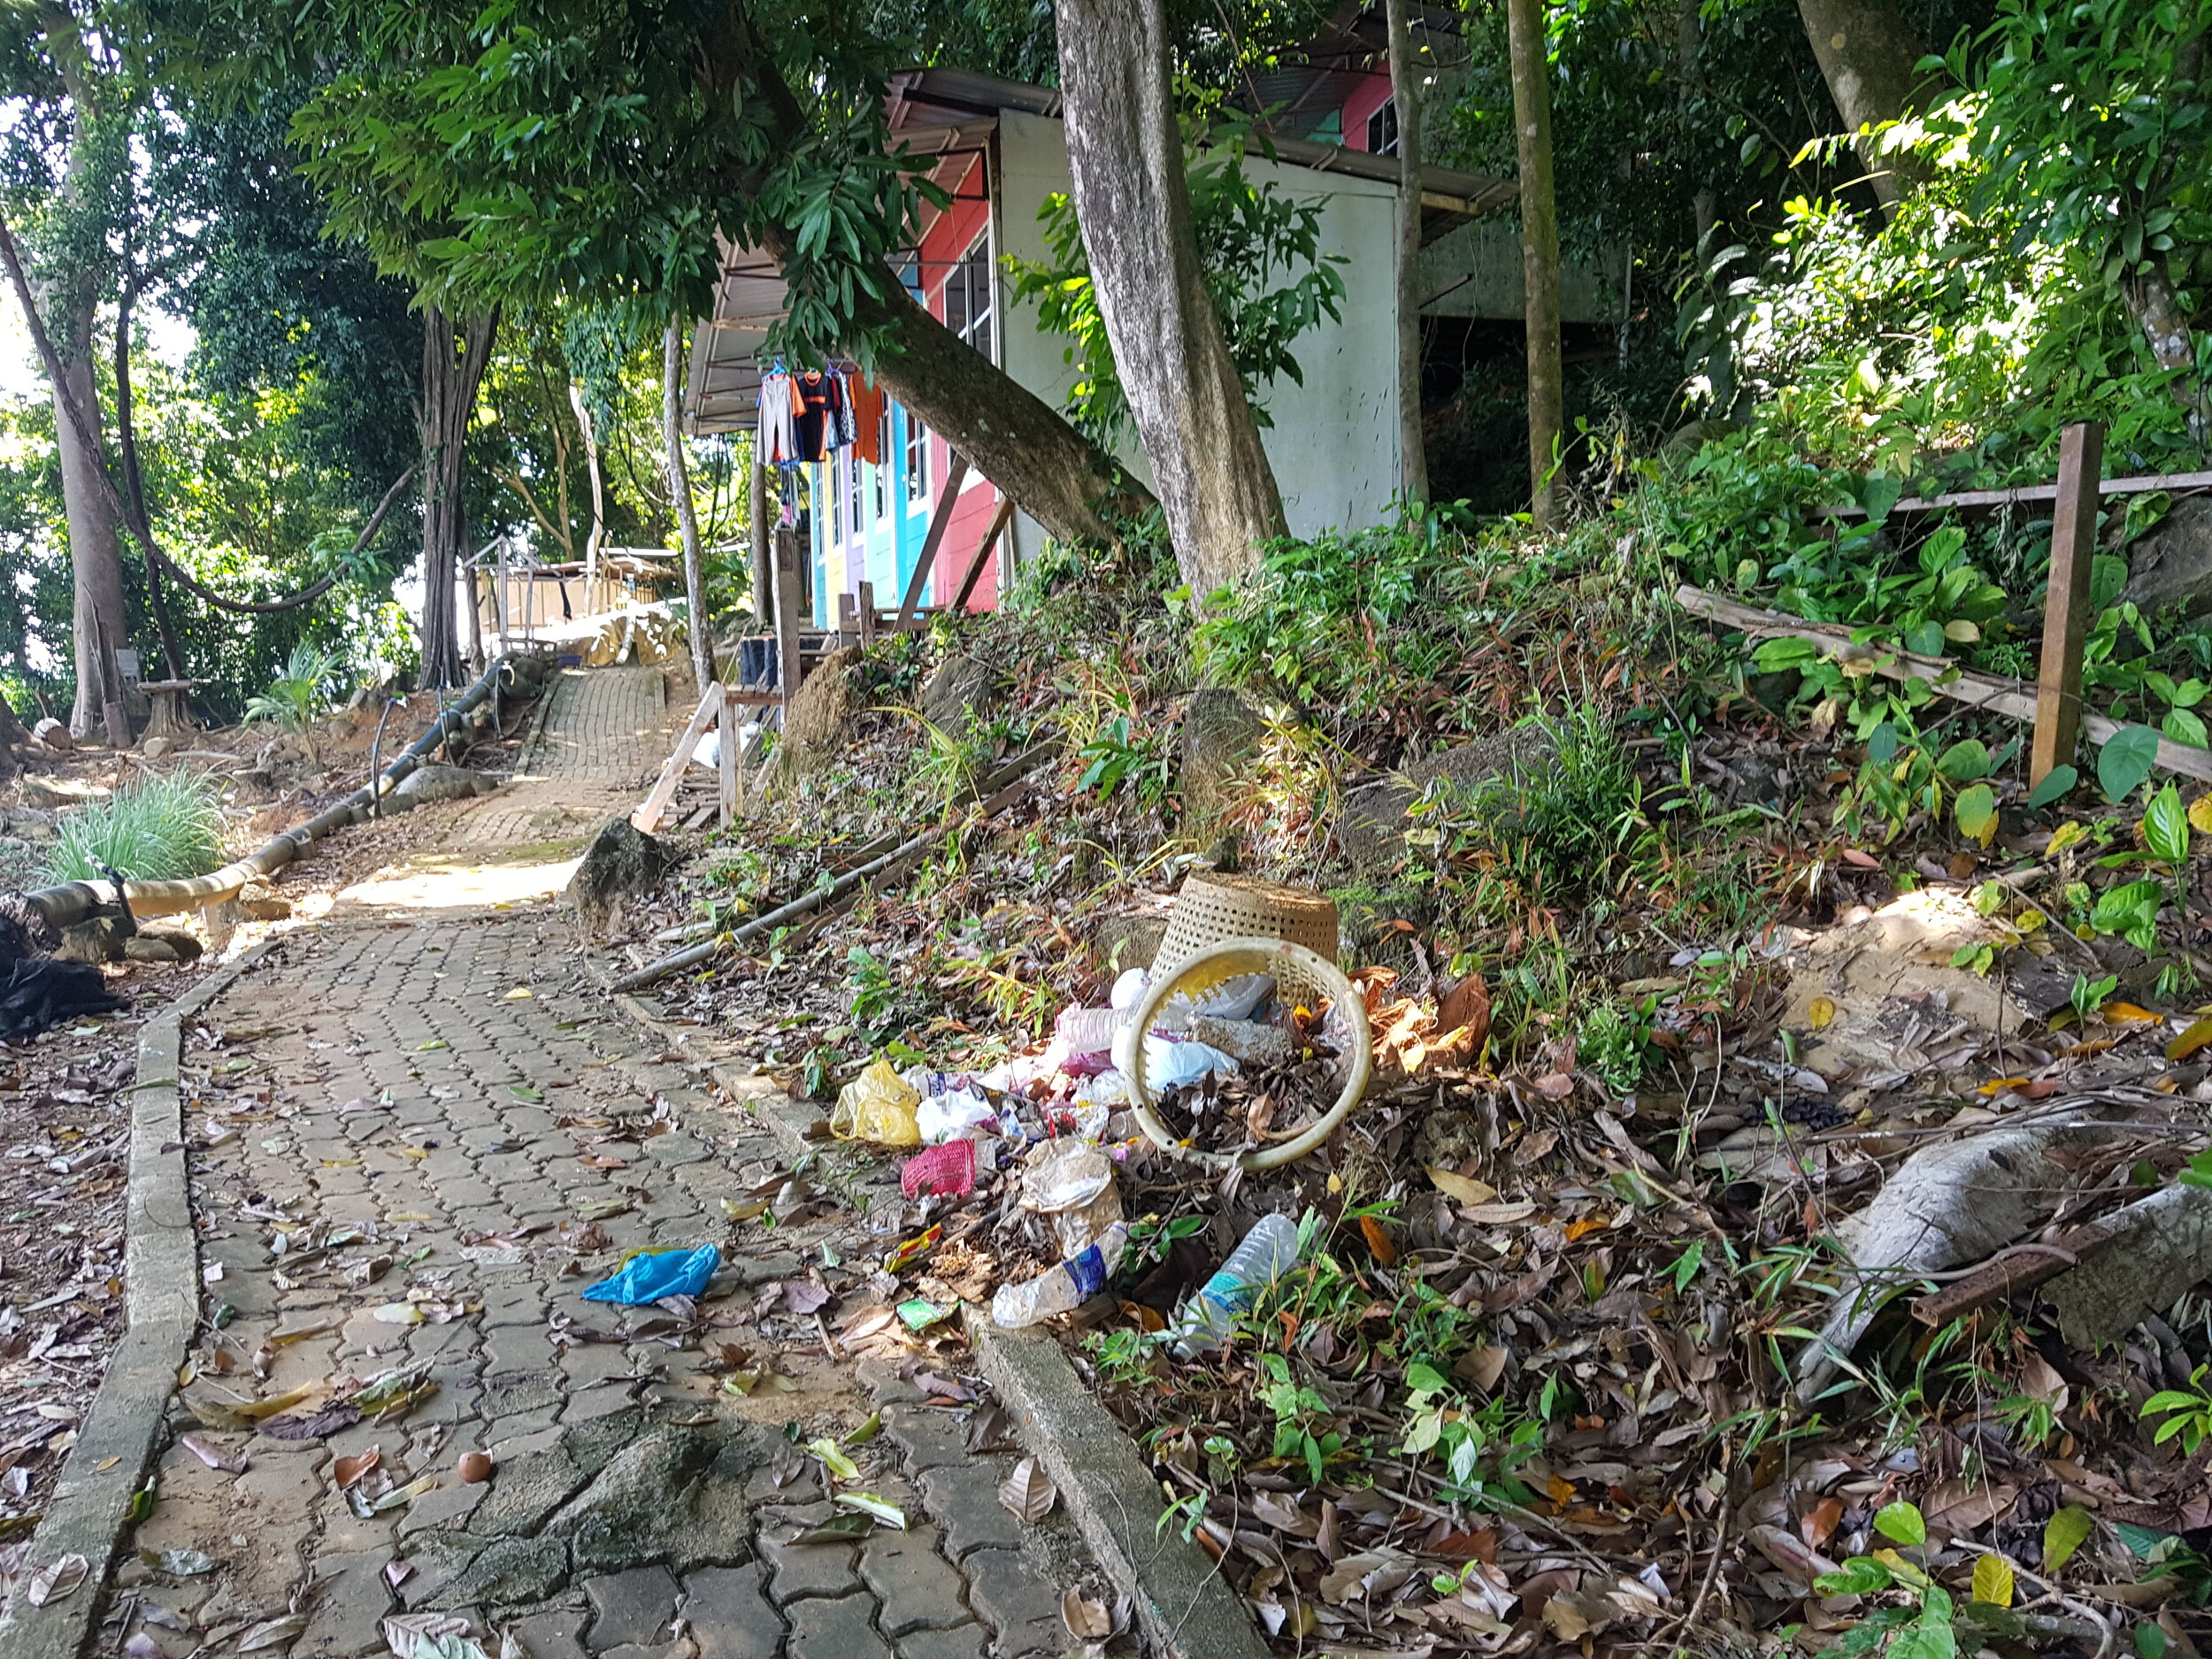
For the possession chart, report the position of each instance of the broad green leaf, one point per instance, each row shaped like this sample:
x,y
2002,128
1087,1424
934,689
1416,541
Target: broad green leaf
x,y
1965,761
2166,826
1976,810
2124,762
834,1460
1992,1580
1925,640
2063,1534
1901,1523
1773,656
2056,782
1861,1575
2185,727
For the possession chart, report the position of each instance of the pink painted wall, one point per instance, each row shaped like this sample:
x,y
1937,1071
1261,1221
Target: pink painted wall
x,y
944,245
1374,92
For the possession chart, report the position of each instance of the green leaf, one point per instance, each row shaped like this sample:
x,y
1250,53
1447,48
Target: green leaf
x,y
2166,826
1925,639
1992,1580
1877,494
2063,1534
1900,1522
1976,811
1965,761
1773,656
1861,1575
2124,762
2056,782
2185,727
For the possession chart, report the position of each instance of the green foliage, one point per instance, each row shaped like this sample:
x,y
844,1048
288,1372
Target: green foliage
x,y
165,825
2187,1411
297,695
1260,253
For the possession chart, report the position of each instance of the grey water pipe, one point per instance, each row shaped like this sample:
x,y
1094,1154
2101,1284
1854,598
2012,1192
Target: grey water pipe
x,y
73,901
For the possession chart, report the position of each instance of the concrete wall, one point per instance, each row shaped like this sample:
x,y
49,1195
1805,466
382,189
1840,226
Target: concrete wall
x,y
1334,443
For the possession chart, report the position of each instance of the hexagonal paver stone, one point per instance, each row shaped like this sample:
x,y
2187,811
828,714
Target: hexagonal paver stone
x,y
726,1615
918,1587
630,1607
1008,1591
800,1569
556,1635
350,1602
964,1500
930,1437
834,1629
964,1642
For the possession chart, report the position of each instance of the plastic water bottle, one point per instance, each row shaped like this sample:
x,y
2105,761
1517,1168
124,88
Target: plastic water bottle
x,y
1058,1289
1268,1251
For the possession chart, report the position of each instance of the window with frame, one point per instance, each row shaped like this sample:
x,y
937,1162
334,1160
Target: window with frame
x,y
854,522
1382,129
917,460
882,467
969,312
836,503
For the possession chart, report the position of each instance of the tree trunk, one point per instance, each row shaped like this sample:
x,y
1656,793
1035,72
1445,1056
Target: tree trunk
x,y
135,485
1870,58
1132,200
598,493
1539,255
453,364
687,517
1405,92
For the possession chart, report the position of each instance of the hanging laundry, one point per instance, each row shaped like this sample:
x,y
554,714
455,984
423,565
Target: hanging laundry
x,y
868,405
841,398
779,405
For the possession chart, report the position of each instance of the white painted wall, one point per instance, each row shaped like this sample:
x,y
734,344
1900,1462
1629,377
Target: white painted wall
x,y
1334,443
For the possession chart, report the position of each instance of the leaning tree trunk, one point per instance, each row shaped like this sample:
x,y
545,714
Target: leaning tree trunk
x,y
1539,255
96,560
1870,57
1405,93
687,517
453,364
1132,201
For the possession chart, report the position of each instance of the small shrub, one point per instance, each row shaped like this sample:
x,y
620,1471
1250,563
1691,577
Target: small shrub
x,y
159,829
295,696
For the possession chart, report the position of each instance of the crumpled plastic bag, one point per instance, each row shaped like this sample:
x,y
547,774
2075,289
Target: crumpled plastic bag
x,y
951,1116
878,1105
645,1279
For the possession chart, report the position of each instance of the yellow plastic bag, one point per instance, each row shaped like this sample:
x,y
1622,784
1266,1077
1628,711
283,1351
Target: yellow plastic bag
x,y
877,1106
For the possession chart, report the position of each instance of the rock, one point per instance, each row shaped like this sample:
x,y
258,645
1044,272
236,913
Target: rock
x,y
814,725
254,784
955,692
621,862
100,940
1129,941
155,746
2170,567
58,792
183,947
426,784
1366,915
1221,734
1372,826
258,902
674,1496
52,734
149,948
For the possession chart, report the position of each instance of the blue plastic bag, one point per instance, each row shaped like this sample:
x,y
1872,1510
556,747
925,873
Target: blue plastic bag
x,y
646,1279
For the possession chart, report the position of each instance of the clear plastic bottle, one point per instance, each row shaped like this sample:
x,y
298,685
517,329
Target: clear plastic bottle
x,y
1268,1251
1058,1289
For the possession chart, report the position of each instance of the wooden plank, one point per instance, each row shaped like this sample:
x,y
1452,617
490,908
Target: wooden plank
x,y
725,756
1004,516
648,817
2026,493
789,669
2014,699
939,521
867,608
2066,603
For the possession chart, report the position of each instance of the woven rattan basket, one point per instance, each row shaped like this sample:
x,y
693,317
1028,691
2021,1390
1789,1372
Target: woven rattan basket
x,y
1211,907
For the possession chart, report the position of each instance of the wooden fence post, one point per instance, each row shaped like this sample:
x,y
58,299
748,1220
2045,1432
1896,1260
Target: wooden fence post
x,y
2066,606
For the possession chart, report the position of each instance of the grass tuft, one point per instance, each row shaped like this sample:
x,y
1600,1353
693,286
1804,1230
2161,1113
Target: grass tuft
x,y
159,829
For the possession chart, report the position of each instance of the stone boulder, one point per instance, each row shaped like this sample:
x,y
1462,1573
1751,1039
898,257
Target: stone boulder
x,y
1373,827
426,784
674,1496
258,901
621,862
2170,567
1221,734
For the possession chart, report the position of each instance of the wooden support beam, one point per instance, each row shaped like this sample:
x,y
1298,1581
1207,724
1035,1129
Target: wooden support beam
x,y
654,806
2066,605
2014,699
1004,516
868,617
789,669
939,521
725,753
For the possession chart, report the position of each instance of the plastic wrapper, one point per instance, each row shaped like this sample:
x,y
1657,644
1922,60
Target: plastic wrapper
x,y
645,1279
1072,1181
879,1106
954,1114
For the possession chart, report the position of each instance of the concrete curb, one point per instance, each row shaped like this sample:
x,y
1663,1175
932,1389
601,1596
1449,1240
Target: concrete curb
x,y
1185,1607
161,1301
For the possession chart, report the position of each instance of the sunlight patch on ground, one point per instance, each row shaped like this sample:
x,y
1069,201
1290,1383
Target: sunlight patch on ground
x,y
466,880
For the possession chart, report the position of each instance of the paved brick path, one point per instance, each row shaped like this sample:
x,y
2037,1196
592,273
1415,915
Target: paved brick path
x,y
604,735
439,1113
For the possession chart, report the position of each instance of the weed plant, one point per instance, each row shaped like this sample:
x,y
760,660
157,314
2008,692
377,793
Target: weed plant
x,y
165,826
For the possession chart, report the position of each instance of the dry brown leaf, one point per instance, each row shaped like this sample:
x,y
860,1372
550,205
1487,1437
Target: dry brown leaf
x,y
1086,1619
1027,1493
1461,1189
346,1471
